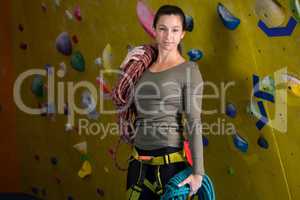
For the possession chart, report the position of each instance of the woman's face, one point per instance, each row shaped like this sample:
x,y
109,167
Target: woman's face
x,y
169,32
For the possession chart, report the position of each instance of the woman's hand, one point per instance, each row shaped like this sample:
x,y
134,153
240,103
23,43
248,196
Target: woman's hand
x,y
195,182
132,55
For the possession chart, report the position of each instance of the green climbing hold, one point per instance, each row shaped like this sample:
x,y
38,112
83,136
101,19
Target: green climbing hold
x,y
84,157
37,86
77,61
230,171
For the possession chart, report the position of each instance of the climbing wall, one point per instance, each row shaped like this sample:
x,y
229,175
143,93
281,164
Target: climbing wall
x,y
239,45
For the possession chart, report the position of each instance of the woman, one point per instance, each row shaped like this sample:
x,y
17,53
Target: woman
x,y
168,88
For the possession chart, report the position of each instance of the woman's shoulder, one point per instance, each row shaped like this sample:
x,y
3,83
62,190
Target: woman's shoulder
x,y
193,69
191,65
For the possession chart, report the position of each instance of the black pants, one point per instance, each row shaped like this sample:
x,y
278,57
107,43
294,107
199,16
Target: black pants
x,y
166,171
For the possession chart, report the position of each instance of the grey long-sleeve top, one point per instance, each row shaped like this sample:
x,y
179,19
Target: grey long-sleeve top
x,y
161,100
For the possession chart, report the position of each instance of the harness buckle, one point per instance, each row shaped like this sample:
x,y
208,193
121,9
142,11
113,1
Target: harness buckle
x,y
147,158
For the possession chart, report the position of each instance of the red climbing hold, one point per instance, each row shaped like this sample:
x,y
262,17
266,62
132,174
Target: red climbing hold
x,y
77,13
75,39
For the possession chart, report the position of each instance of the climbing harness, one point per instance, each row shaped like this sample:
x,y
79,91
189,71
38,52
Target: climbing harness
x,y
171,190
160,160
134,191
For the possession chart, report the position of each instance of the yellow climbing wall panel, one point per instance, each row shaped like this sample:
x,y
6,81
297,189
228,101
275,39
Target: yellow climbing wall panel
x,y
50,164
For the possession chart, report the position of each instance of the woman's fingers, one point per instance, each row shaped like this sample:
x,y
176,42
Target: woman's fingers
x,y
136,52
193,183
132,55
134,58
193,190
140,48
186,181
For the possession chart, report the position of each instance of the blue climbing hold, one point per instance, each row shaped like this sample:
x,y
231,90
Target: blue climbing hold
x,y
195,54
189,23
263,120
229,20
48,69
286,30
89,104
205,141
240,143
37,86
262,142
64,44
231,110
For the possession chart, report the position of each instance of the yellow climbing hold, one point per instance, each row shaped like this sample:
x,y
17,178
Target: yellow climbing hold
x,y
295,89
107,56
85,170
106,169
293,84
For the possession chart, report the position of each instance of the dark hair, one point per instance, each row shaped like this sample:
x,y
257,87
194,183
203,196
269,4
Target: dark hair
x,y
170,10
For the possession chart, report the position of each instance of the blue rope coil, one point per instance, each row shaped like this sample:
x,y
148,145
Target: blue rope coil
x,y
172,191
